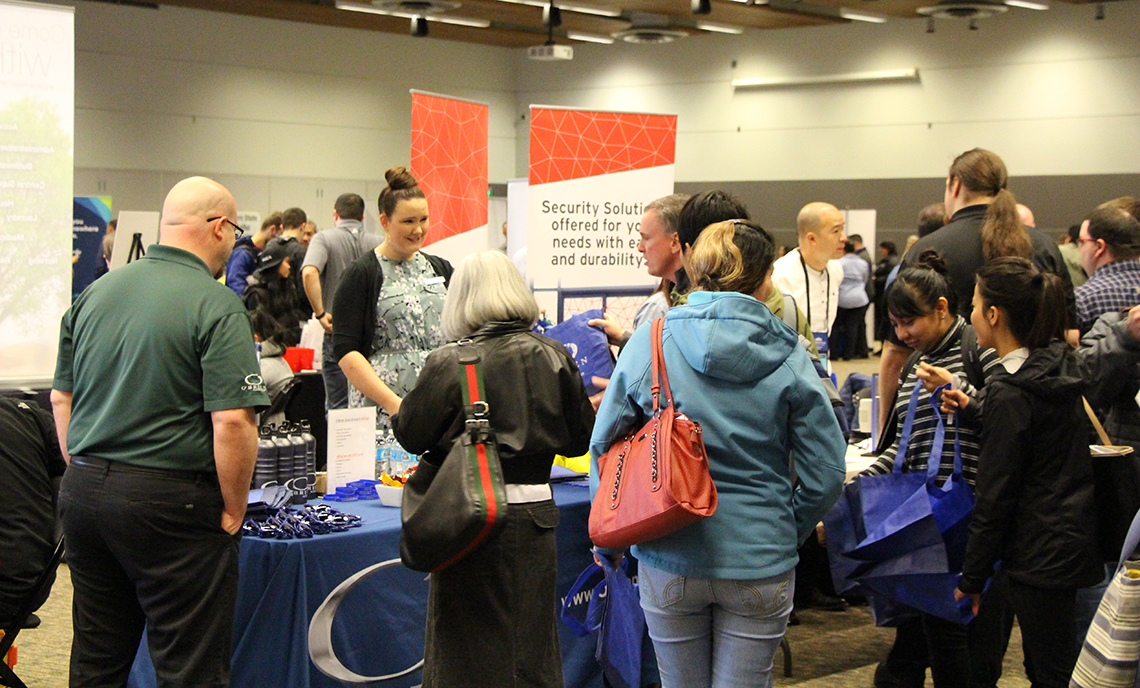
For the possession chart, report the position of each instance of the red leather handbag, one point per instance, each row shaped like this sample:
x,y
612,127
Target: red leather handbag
x,y
655,480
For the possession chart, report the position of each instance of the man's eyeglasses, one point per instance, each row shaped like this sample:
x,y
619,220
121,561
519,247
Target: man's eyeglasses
x,y
238,231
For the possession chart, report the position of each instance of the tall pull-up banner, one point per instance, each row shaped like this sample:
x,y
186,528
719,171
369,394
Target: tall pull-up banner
x,y
449,158
591,175
37,106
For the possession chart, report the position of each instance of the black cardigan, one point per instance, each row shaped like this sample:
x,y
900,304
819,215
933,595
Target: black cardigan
x,y
354,304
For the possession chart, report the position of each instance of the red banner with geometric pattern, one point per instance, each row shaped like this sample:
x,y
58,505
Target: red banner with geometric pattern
x,y
573,144
449,158
591,176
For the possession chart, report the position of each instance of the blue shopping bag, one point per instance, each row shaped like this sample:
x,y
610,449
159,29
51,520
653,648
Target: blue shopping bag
x,y
844,527
587,345
913,531
615,612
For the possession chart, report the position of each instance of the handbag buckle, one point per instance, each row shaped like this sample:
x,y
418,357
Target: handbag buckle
x,y
477,423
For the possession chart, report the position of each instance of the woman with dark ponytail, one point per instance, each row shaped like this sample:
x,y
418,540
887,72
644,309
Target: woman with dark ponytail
x,y
1034,492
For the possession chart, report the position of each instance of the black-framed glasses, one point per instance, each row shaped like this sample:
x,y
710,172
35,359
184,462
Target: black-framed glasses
x,y
238,231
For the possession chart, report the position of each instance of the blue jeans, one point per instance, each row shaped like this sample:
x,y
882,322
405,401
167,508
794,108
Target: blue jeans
x,y
715,633
336,384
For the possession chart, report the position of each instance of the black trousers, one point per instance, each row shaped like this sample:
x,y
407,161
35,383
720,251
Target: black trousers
x,y
1048,632
971,656
850,332
146,547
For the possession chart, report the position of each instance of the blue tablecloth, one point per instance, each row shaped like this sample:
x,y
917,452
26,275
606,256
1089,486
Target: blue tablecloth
x,y
379,628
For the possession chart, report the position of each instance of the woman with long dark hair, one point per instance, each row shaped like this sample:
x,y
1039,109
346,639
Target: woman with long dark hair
x,y
1035,510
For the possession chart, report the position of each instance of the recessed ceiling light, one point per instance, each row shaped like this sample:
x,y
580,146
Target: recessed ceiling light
x,y
589,37
718,28
861,16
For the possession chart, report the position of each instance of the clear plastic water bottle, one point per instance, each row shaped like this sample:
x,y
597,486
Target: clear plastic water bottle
x,y
384,441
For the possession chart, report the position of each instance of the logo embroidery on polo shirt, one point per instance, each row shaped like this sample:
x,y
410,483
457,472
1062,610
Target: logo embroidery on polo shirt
x,y
253,383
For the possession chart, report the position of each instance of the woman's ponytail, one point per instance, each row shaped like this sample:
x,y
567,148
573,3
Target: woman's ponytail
x,y
1051,311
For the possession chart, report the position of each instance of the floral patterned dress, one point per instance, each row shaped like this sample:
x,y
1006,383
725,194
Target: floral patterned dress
x,y
408,313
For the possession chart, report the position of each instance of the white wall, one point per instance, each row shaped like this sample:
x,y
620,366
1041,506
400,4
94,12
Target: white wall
x,y
1054,93
292,114
284,113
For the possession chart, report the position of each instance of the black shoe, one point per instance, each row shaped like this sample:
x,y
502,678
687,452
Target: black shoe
x,y
817,600
885,678
794,620
32,622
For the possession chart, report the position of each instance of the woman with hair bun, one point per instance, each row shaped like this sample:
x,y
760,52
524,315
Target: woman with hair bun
x,y
922,306
389,302
1035,510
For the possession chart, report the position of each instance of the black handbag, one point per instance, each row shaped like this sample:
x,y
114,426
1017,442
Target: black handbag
x,y
449,510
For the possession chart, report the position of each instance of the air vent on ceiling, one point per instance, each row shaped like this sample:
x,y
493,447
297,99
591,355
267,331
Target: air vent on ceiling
x,y
417,7
963,10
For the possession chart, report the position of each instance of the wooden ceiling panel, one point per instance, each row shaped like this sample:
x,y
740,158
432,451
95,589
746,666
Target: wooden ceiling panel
x,y
516,26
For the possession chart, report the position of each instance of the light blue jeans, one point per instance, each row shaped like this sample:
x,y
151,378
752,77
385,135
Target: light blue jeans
x,y
715,633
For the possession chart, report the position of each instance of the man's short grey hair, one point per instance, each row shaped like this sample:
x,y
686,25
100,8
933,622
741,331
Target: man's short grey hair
x,y
668,208
486,288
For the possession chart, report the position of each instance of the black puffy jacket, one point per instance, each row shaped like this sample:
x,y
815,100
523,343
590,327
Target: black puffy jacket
x,y
1034,491
538,404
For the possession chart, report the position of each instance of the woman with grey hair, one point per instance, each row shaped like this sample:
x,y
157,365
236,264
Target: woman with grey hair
x,y
490,618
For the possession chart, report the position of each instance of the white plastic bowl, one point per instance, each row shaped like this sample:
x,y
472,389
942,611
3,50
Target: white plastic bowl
x,y
390,496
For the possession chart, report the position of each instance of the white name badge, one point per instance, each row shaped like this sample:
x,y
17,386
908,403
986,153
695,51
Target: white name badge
x,y
434,280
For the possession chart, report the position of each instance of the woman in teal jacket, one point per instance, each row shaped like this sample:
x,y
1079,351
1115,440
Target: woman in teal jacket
x,y
717,594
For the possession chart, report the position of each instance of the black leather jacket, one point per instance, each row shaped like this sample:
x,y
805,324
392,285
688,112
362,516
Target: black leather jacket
x,y
538,404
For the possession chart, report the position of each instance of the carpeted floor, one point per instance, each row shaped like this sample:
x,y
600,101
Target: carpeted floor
x,y
829,649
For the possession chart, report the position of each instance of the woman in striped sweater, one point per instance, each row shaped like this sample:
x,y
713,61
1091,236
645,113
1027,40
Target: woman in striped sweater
x,y
921,304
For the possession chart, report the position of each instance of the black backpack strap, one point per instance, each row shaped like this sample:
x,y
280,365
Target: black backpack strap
x,y
972,357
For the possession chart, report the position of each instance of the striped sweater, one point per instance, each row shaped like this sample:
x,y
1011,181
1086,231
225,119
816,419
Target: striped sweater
x,y
946,354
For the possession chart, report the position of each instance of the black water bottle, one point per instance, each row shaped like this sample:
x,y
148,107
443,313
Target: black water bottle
x,y
310,460
265,470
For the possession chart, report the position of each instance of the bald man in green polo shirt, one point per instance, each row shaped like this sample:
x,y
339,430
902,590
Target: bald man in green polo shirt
x,y
155,389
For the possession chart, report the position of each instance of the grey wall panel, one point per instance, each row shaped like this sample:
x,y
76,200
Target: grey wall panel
x,y
1056,201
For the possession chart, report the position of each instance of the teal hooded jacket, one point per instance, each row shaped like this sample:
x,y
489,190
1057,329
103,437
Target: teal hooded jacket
x,y
776,453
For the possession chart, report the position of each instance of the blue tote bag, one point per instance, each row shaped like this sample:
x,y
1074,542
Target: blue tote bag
x,y
615,612
587,345
910,532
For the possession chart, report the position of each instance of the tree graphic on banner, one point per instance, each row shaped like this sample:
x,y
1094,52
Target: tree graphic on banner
x,y
34,234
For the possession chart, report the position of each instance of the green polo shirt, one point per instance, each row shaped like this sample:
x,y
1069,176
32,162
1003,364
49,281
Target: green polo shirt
x,y
148,351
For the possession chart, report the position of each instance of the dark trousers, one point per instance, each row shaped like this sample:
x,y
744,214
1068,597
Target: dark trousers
x,y
146,547
1048,633
971,656
849,334
336,384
